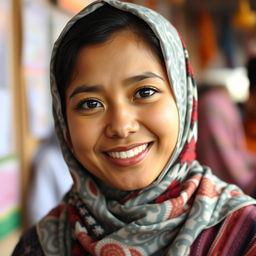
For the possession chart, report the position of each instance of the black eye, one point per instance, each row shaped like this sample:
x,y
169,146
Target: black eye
x,y
90,104
145,92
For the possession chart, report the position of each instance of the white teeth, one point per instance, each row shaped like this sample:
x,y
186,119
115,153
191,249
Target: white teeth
x,y
128,154
123,155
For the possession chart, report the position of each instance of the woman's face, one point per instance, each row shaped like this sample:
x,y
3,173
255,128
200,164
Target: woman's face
x,y
121,114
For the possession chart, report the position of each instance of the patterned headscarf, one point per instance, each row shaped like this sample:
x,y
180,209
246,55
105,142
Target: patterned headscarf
x,y
161,219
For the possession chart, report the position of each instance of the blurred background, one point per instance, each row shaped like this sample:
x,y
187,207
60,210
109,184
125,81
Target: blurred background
x,y
220,36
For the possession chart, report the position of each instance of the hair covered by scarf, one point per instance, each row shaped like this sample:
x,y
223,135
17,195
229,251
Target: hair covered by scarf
x,y
166,216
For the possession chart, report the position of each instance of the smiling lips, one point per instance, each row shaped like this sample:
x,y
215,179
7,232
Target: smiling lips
x,y
129,157
128,154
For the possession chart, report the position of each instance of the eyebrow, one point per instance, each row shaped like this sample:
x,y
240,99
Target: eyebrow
x,y
97,88
84,89
141,77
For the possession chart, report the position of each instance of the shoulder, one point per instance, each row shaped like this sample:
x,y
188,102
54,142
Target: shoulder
x,y
235,235
29,244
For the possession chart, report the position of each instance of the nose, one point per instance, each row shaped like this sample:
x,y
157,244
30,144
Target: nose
x,y
122,122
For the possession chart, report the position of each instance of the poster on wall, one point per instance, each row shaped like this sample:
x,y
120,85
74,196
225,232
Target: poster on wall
x,y
9,167
73,6
35,62
9,195
6,138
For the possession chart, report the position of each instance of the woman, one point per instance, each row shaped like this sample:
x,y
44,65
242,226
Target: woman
x,y
125,112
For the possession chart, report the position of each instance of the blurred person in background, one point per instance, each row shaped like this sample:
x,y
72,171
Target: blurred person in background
x,y
50,180
221,140
250,107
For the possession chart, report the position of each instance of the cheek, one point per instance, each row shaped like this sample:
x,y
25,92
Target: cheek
x,y
165,121
84,134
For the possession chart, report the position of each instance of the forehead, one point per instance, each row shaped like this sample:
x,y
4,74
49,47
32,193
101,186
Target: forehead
x,y
119,39
124,50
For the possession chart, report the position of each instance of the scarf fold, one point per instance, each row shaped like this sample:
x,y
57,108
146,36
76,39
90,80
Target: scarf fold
x,y
164,218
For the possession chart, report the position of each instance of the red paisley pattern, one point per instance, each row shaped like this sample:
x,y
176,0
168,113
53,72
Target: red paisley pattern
x,y
178,203
73,215
84,239
188,153
177,207
190,186
235,193
208,189
189,69
194,115
172,191
112,250
135,252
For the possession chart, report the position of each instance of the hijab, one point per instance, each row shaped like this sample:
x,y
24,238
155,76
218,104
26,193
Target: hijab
x,y
161,219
